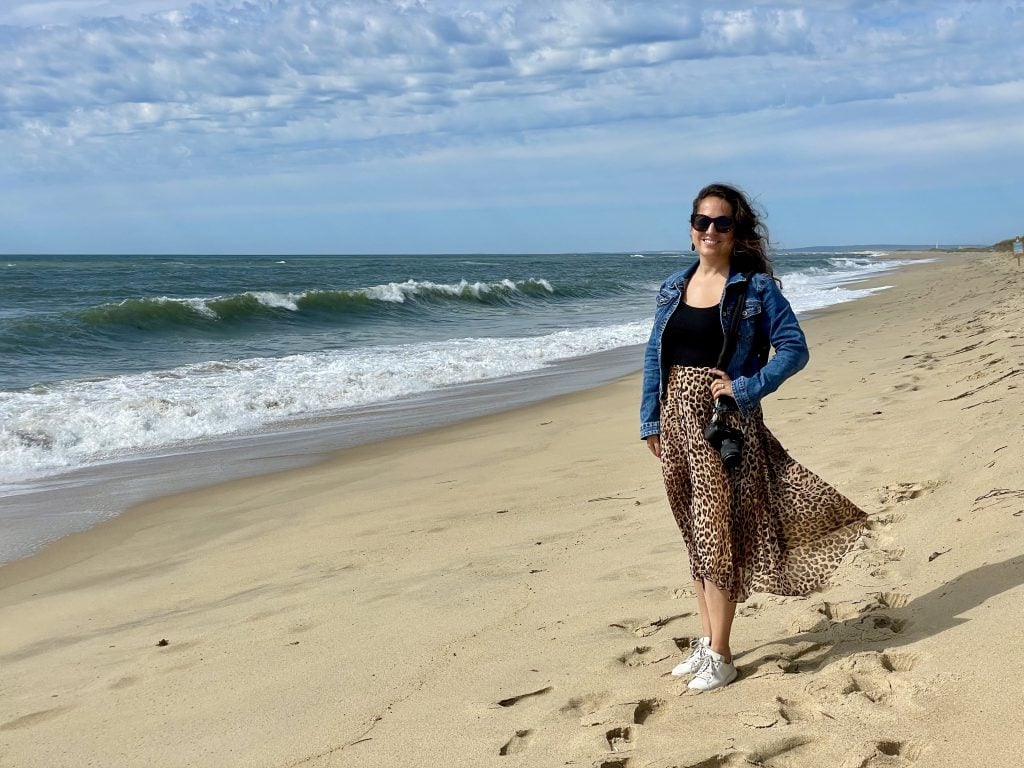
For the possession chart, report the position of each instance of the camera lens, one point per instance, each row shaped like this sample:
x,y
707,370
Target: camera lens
x,y
728,441
731,452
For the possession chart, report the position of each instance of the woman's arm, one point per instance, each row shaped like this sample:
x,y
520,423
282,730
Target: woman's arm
x,y
791,353
650,400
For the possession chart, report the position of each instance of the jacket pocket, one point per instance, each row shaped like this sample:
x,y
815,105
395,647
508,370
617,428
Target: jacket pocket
x,y
751,308
666,296
750,319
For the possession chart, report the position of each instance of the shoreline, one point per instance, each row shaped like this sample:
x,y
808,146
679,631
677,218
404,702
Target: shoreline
x,y
514,588
99,493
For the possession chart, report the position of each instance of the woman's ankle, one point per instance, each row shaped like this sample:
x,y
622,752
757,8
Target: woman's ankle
x,y
724,651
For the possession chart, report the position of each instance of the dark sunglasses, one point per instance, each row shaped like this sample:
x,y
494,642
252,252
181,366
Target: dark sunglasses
x,y
702,223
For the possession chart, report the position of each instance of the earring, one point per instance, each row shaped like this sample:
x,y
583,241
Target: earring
x,y
692,246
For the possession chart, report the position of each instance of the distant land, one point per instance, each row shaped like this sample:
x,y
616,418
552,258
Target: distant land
x,y
1007,244
889,247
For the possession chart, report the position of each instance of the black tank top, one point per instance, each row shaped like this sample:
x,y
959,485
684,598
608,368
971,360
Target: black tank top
x,y
693,336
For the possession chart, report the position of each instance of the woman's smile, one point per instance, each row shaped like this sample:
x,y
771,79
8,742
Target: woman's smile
x,y
712,242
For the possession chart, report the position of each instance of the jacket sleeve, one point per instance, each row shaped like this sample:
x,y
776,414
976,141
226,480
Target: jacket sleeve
x,y
650,400
790,345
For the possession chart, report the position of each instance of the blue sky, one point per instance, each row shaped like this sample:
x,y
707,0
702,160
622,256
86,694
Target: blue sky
x,y
374,126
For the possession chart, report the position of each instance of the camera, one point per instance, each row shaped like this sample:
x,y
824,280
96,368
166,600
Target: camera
x,y
728,441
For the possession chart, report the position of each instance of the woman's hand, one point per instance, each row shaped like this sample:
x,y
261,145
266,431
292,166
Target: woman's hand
x,y
722,385
654,443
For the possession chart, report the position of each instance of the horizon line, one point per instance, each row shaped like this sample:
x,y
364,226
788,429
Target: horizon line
x,y
641,251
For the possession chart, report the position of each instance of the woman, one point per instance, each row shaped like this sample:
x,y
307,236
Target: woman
x,y
768,524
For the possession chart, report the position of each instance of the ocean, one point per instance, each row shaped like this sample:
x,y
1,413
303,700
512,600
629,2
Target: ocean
x,y
125,377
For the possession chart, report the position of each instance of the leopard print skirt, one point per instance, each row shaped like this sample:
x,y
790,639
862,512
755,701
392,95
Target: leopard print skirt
x,y
770,525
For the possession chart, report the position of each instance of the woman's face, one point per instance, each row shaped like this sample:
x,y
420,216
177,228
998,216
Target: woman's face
x,y
713,244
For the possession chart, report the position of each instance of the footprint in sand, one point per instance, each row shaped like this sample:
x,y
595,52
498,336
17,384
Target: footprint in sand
x,y
622,722
871,677
620,739
841,611
925,361
892,555
584,707
877,627
518,743
898,493
642,656
822,616
792,711
642,628
593,711
885,520
804,658
785,711
846,610
893,753
750,608
850,619
890,600
907,386
754,718
897,662
875,560
123,682
685,644
802,751
645,708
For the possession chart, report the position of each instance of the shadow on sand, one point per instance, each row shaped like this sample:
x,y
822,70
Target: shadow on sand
x,y
885,623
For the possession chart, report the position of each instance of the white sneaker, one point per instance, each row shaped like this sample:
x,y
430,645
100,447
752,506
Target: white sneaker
x,y
715,672
699,648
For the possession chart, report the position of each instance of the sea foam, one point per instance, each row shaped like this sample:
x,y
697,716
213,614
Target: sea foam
x,y
816,288
50,428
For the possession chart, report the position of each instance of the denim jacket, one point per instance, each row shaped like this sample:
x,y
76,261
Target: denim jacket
x,y
767,320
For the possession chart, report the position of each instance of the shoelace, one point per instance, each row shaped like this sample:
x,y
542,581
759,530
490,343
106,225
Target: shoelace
x,y
708,667
697,648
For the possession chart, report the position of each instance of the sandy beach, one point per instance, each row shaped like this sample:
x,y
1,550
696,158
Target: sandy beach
x,y
513,591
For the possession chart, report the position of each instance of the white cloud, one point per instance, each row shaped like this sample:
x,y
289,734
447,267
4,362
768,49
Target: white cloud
x,y
575,95
41,12
245,84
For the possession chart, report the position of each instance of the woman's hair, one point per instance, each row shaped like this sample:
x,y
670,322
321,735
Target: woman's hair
x,y
750,252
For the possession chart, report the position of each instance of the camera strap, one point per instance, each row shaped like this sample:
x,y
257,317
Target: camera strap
x,y
729,342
